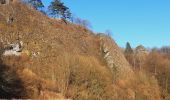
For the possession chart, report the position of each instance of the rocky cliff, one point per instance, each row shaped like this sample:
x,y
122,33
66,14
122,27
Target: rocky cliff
x,y
114,57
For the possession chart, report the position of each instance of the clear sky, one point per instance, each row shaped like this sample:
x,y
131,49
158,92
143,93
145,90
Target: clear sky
x,y
145,22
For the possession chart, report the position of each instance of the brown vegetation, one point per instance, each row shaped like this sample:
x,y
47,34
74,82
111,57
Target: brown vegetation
x,y
62,59
157,64
19,82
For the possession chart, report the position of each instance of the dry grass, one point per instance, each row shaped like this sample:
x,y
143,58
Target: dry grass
x,y
83,77
68,62
16,81
80,75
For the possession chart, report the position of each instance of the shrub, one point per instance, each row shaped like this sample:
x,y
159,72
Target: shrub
x,y
82,77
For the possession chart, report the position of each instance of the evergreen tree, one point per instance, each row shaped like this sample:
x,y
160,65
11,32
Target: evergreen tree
x,y
128,49
129,55
58,9
36,3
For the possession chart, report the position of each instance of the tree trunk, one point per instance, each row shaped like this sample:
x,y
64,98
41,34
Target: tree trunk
x,y
166,84
155,70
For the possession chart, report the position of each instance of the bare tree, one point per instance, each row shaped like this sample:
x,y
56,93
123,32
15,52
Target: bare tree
x,y
108,32
82,22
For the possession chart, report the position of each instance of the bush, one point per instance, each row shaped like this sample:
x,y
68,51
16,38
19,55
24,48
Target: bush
x,y
82,77
10,84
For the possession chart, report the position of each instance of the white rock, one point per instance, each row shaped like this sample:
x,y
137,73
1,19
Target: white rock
x,y
11,52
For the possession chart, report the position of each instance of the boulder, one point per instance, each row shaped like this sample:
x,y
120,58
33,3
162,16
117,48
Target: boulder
x,y
13,49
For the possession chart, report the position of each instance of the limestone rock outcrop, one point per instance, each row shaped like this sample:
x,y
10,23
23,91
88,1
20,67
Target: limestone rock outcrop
x,y
114,57
13,49
141,50
140,53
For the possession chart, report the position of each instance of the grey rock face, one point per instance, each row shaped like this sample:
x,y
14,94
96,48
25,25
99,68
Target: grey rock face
x,y
13,49
140,54
114,57
141,50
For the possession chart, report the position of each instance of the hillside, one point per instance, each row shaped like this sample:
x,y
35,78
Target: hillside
x,y
60,59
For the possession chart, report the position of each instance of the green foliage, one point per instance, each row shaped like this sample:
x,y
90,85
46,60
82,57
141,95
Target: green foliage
x,y
58,9
36,3
128,48
129,54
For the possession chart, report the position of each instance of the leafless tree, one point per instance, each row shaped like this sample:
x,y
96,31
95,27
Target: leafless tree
x,y
82,22
108,32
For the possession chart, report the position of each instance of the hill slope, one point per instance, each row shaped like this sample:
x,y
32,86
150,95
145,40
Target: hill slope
x,y
68,59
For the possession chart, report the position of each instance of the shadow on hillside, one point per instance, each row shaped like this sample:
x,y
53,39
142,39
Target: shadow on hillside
x,y
10,83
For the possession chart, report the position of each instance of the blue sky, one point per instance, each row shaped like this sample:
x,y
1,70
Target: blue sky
x,y
145,22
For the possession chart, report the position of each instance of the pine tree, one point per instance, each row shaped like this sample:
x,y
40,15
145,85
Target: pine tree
x,y
58,9
128,48
36,3
129,54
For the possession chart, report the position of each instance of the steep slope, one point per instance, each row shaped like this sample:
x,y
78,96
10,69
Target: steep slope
x,y
47,38
35,29
72,59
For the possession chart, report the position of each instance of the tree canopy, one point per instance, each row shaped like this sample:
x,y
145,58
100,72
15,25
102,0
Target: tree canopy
x,y
58,9
36,3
